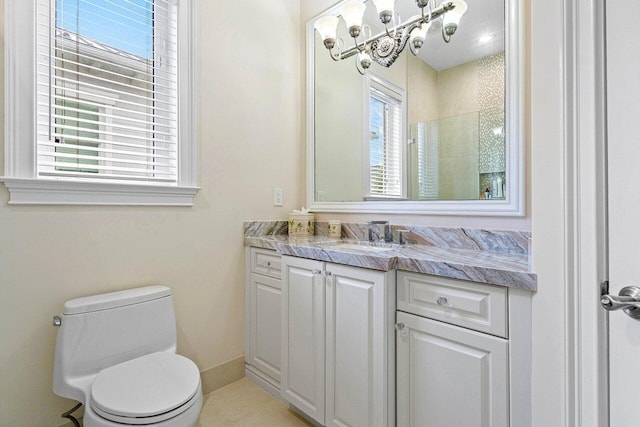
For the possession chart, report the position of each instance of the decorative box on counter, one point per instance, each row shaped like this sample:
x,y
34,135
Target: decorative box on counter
x,y
301,223
335,228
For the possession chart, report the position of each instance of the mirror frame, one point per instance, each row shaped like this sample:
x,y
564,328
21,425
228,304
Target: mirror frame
x,y
514,203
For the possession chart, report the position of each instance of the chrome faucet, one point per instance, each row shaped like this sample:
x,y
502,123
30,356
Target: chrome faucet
x,y
380,231
402,238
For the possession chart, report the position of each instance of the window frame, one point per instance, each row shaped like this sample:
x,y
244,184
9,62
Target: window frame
x,y
21,127
392,91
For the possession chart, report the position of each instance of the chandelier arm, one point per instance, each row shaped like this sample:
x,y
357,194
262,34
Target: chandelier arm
x,y
386,29
396,25
340,46
363,31
427,18
361,70
357,45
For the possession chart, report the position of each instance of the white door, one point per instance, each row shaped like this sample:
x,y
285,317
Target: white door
x,y
265,324
450,376
302,369
358,336
623,116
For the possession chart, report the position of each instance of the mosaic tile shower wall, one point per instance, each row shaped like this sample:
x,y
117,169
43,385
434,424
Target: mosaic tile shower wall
x,y
491,144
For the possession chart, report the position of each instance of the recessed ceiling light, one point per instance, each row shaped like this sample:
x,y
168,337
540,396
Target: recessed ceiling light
x,y
486,38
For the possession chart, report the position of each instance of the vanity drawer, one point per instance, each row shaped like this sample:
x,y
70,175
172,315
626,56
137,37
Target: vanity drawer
x,y
471,305
264,261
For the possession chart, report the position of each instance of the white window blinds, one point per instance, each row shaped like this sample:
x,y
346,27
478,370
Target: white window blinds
x,y
107,90
386,148
428,145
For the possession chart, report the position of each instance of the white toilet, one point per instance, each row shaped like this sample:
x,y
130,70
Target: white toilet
x,y
115,353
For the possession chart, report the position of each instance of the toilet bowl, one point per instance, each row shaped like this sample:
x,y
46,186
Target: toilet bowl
x,y
115,353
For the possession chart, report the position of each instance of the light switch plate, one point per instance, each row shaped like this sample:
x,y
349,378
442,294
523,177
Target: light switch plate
x,y
277,197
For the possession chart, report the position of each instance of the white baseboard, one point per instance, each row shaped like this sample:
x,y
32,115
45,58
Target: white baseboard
x,y
263,381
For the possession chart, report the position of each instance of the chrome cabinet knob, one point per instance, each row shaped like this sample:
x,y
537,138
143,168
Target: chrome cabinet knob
x,y
401,328
628,301
442,301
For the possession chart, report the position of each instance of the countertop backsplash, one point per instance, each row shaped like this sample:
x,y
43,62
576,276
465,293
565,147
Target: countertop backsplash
x,y
499,241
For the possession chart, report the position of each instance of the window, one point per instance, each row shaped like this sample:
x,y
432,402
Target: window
x,y
112,122
386,151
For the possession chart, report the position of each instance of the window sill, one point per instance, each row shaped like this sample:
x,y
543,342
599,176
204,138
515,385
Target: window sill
x,y
25,191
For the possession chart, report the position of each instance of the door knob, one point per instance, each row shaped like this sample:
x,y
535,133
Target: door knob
x,y
628,301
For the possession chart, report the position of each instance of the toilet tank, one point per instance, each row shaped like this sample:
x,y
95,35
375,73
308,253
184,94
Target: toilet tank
x,y
103,330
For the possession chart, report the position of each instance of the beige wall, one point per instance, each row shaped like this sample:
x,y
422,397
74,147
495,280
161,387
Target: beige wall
x,y
249,138
458,90
422,91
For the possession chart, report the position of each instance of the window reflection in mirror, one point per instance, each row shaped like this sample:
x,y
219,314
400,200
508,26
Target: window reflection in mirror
x,y
387,150
450,100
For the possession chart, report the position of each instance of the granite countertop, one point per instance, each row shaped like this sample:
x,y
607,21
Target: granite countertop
x,y
495,268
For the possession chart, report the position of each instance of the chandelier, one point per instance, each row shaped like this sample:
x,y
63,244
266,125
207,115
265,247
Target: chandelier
x,y
384,48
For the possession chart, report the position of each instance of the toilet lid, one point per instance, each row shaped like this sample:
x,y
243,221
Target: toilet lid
x,y
147,386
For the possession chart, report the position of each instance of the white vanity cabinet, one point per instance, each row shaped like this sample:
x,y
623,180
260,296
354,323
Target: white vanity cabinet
x,y
456,364
337,342
262,318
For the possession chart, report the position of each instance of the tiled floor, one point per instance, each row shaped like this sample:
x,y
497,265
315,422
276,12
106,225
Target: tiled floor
x,y
244,404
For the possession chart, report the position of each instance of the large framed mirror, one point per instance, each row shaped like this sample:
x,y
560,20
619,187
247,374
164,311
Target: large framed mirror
x,y
437,132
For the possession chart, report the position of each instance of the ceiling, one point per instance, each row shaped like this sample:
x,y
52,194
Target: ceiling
x,y
483,18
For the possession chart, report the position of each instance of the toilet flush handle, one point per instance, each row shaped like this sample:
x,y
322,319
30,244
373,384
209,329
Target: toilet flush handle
x,y
57,321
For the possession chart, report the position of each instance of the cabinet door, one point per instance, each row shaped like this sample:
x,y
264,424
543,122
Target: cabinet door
x,y
359,335
265,325
449,376
302,380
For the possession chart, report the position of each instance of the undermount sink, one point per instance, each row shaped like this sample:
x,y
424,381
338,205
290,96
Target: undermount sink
x,y
359,245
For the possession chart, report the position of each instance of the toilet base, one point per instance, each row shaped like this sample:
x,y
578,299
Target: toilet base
x,y
187,418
